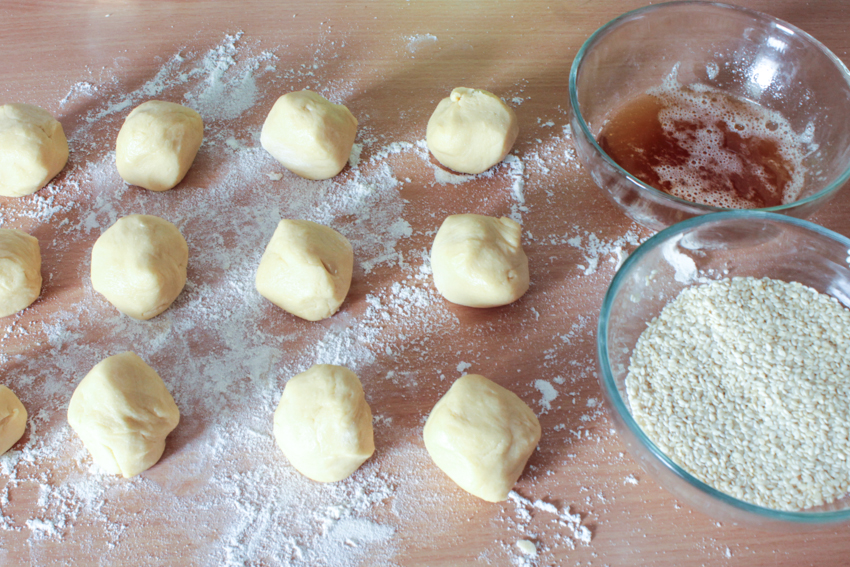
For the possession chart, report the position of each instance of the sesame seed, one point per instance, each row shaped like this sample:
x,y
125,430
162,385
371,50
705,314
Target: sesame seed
x,y
745,383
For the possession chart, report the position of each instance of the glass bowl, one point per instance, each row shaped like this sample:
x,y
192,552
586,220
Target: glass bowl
x,y
710,247
746,54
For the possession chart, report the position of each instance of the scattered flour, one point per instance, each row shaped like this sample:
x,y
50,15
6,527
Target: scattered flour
x,y
570,529
548,393
228,88
420,41
221,348
595,249
686,268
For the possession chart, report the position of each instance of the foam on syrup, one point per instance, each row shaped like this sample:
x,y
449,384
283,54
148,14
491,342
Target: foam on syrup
x,y
738,141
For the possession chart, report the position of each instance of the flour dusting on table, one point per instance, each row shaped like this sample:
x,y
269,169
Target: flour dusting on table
x,y
225,353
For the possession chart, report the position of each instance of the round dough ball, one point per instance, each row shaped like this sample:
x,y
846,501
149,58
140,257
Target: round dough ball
x,y
139,265
20,271
481,436
323,424
471,131
306,269
33,149
309,135
157,144
123,412
478,261
13,419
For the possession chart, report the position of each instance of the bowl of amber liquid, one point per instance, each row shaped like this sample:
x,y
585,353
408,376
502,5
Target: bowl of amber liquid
x,y
687,108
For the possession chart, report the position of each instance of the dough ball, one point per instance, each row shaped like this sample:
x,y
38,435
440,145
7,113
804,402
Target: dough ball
x,y
33,149
478,261
481,436
13,419
20,271
309,135
323,424
471,131
123,412
139,265
306,269
157,144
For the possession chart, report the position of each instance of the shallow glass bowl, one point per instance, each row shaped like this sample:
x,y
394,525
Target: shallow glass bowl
x,y
701,249
745,54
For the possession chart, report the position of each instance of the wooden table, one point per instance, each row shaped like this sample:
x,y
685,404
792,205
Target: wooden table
x,y
223,494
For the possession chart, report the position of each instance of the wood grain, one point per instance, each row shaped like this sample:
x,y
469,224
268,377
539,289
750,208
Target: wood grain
x,y
518,48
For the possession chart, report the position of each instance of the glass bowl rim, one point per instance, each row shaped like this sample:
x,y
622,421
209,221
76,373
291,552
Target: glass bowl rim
x,y
599,34
620,406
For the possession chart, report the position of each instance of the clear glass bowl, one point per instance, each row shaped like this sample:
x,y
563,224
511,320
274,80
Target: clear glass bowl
x,y
740,52
727,244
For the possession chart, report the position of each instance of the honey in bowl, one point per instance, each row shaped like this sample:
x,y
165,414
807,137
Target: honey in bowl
x,y
699,144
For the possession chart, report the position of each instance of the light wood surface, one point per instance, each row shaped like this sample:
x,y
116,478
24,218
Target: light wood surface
x,y
380,59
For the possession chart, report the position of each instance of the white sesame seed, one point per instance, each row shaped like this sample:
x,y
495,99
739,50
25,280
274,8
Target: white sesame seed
x,y
745,383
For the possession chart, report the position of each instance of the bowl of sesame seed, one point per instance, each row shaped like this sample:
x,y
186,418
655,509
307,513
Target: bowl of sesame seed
x,y
724,350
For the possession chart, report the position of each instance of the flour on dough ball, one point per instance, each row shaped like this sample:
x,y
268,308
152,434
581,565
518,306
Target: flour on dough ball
x,y
33,149
478,261
306,269
309,135
13,419
323,424
139,265
20,271
481,435
471,131
157,144
122,412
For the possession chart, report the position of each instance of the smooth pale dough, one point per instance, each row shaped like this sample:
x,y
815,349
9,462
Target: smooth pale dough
x,y
471,131
306,269
481,436
20,271
123,412
323,424
139,265
33,149
309,135
157,144
13,419
478,261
